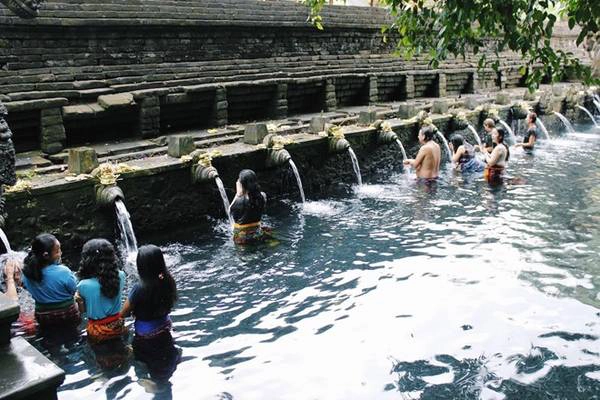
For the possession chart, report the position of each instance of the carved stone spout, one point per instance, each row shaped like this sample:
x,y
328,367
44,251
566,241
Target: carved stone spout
x,y
24,8
338,145
107,195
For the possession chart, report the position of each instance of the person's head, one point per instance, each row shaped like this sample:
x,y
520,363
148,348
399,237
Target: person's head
x,y
158,288
249,182
99,260
489,124
426,134
45,250
531,117
456,141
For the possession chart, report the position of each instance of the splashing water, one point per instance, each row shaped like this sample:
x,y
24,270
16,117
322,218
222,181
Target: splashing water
x,y
597,104
511,134
565,121
542,127
226,204
399,143
589,114
355,166
5,241
298,180
446,147
128,240
474,131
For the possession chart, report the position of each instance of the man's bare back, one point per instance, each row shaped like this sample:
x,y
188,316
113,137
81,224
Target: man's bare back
x,y
429,156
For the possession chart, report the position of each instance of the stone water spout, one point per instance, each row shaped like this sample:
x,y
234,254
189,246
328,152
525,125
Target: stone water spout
x,y
385,134
7,159
107,190
337,141
107,195
203,170
277,154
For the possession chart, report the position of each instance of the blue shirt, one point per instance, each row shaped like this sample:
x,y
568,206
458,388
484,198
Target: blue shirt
x,y
97,305
58,285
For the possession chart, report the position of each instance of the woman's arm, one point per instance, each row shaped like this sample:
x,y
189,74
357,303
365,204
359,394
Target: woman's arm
x,y
492,159
12,270
458,154
80,302
126,310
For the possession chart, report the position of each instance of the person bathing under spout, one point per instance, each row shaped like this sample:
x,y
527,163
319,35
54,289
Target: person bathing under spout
x,y
247,209
427,162
531,135
497,161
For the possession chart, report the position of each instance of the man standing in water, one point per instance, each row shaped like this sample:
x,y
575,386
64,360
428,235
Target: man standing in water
x,y
427,163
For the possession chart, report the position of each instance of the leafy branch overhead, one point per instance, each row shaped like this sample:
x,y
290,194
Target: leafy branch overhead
x,y
485,28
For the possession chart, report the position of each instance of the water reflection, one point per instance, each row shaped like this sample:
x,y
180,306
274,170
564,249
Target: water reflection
x,y
460,290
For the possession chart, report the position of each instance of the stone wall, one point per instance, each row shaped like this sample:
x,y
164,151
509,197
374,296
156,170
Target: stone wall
x,y
199,64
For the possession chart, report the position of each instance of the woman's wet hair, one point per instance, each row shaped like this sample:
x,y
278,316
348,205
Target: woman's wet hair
x,y
99,260
502,133
39,256
428,131
457,140
249,183
489,123
532,116
157,290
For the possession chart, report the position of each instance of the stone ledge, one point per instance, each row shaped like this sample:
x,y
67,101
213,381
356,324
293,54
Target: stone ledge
x,y
26,373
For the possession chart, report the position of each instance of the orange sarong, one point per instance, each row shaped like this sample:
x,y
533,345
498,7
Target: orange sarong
x,y
107,328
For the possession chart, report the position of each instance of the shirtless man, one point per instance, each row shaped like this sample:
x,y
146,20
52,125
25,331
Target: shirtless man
x,y
427,163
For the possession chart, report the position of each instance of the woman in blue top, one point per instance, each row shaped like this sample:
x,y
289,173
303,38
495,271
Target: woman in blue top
x,y
464,155
99,290
150,301
51,284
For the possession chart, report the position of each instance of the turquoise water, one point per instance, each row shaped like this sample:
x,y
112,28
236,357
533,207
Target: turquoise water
x,y
394,290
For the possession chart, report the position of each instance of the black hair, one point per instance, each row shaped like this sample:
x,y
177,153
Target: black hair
x,y
39,256
158,290
533,116
428,131
502,132
99,260
250,184
457,140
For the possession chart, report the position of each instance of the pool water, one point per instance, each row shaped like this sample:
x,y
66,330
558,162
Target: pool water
x,y
395,290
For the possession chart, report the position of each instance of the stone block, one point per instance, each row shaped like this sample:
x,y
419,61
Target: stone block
x,y
406,110
180,145
441,85
367,117
53,133
55,120
120,100
255,133
222,105
317,124
82,160
9,312
439,107
502,98
52,147
471,103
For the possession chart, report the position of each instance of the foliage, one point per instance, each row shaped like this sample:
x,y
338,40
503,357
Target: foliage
x,y
444,28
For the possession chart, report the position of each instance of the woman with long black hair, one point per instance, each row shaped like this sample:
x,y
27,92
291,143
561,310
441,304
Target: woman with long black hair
x,y
99,290
151,301
247,209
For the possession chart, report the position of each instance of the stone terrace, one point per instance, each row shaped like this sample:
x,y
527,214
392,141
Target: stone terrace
x,y
98,71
